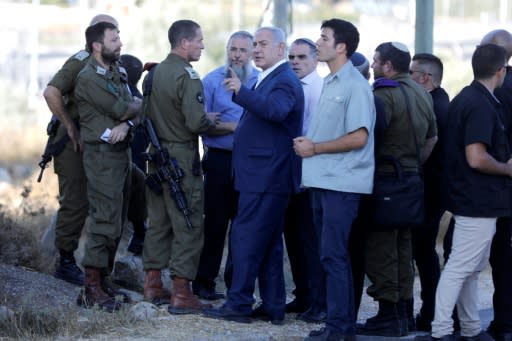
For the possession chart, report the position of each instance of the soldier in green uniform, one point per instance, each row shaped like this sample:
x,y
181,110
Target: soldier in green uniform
x,y
73,205
176,108
105,107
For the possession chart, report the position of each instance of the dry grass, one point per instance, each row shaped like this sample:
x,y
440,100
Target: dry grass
x,y
29,323
20,247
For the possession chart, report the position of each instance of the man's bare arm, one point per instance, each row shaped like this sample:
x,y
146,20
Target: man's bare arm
x,y
357,139
478,158
55,102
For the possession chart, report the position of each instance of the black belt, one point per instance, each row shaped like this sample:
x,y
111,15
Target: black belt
x,y
219,150
107,147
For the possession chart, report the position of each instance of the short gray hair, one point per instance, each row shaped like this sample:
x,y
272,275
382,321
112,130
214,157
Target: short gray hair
x,y
278,35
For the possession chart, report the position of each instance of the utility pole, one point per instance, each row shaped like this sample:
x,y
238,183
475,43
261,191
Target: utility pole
x,y
281,15
424,26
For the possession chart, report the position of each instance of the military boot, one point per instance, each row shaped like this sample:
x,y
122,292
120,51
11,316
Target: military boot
x,y
385,323
406,316
67,270
183,300
93,294
112,290
154,290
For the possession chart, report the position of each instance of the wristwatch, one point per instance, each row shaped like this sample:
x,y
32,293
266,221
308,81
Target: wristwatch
x,y
130,123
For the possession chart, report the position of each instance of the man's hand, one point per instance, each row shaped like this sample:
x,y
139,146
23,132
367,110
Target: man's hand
x,y
74,136
119,133
233,83
214,117
303,146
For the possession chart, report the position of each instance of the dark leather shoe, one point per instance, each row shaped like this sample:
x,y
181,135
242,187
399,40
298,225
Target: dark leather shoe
x,y
428,337
498,335
262,315
208,294
227,313
482,336
296,306
313,315
503,337
325,334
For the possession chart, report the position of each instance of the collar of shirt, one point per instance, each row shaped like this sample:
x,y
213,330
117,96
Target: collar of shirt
x,y
267,72
339,74
309,78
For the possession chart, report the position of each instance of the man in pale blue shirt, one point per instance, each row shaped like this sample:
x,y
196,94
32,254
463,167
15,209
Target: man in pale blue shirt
x,y
299,234
338,165
220,196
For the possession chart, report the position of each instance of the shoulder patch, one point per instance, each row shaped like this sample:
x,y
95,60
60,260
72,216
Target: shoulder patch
x,y
81,55
192,73
124,74
122,70
101,71
385,83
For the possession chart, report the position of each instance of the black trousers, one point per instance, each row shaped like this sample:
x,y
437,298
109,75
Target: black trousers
x,y
301,245
356,251
501,263
427,261
219,208
137,209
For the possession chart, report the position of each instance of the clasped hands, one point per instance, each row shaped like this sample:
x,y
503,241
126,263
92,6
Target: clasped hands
x,y
303,146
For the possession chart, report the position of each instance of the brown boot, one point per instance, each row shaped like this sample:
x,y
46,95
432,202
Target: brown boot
x,y
183,300
92,293
154,290
112,290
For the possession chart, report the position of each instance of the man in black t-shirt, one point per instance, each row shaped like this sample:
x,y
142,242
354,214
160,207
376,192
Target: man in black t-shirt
x,y
427,70
501,249
477,174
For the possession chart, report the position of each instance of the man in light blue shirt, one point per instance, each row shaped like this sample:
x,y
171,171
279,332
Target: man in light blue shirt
x,y
338,165
220,196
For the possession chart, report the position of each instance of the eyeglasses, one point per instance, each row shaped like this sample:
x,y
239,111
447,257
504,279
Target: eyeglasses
x,y
411,72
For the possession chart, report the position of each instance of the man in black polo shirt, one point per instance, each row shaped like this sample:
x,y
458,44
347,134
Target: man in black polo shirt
x,y
501,250
477,174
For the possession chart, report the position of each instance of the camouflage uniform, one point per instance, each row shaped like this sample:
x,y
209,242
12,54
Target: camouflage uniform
x,y
68,165
103,96
177,110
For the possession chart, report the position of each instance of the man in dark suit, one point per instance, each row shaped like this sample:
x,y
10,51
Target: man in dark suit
x,y
266,172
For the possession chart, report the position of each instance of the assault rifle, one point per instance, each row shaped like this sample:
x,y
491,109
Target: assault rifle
x,y
167,170
52,148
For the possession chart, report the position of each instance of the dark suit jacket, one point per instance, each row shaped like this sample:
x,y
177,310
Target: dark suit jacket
x,y
263,155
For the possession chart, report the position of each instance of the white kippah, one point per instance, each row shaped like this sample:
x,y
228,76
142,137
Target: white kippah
x,y
402,47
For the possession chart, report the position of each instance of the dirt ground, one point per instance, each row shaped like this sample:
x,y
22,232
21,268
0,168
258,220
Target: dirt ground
x,y
32,204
